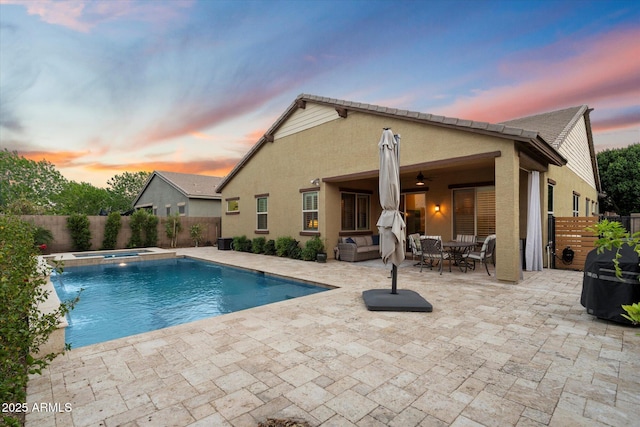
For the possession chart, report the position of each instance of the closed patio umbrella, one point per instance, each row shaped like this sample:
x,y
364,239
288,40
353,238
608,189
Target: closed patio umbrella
x,y
391,226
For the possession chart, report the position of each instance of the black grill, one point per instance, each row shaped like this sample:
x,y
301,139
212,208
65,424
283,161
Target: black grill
x,y
603,294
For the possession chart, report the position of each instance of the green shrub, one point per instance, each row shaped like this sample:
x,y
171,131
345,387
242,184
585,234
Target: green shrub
x,y
78,225
294,251
144,229
312,248
23,329
111,230
270,247
151,231
282,245
42,237
288,247
241,244
196,232
257,245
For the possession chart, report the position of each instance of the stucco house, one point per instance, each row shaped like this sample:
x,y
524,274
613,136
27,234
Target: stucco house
x,y
169,193
315,173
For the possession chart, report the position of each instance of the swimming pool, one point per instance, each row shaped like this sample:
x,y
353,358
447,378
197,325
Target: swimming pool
x,y
129,298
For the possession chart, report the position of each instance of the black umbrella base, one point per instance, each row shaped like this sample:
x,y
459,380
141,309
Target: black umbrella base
x,y
404,300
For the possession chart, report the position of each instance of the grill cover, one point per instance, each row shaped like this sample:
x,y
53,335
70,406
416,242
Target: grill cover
x,y
602,292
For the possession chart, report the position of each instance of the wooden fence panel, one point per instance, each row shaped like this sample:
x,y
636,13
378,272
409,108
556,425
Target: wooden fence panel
x,y
571,231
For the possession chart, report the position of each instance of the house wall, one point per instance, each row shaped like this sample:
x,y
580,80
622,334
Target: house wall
x,y
203,207
575,148
159,194
347,146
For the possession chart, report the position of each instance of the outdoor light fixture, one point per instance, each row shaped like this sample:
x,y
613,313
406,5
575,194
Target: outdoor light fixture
x,y
420,179
315,182
437,208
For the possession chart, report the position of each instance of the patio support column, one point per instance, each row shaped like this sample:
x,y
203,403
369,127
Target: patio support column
x,y
507,177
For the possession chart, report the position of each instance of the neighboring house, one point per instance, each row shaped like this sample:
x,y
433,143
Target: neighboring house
x,y
168,193
315,173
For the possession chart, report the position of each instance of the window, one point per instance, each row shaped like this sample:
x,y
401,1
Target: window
x,y
168,207
355,211
576,204
181,208
550,188
310,211
474,211
261,210
233,205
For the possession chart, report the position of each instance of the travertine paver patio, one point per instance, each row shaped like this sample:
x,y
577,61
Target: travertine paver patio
x,y
490,354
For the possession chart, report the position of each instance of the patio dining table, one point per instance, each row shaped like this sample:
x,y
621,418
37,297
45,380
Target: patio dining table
x,y
456,251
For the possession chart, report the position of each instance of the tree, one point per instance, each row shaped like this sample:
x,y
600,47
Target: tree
x,y
24,329
620,177
124,188
82,198
21,178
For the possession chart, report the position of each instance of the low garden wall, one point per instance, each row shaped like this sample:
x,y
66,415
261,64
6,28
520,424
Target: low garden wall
x,y
62,242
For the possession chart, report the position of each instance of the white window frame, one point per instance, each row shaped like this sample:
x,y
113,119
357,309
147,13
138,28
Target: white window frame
x,y
576,204
233,202
262,213
310,216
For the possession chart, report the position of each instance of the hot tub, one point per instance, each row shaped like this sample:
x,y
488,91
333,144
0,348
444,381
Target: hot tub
x,y
603,293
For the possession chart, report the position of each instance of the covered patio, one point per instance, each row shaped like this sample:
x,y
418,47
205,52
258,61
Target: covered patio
x,y
459,195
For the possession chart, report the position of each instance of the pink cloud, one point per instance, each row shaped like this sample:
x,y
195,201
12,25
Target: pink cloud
x,y
603,70
83,15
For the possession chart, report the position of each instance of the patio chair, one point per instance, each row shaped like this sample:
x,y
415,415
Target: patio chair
x,y
432,251
414,243
465,238
484,255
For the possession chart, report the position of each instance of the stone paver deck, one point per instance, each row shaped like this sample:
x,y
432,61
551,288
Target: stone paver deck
x,y
490,354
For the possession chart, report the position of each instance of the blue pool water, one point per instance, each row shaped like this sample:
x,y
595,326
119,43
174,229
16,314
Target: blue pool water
x,y
122,300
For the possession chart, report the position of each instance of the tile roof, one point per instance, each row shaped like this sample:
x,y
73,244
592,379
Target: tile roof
x,y
552,126
533,140
192,185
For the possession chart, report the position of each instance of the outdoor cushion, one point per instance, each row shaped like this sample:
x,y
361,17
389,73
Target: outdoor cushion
x,y
361,241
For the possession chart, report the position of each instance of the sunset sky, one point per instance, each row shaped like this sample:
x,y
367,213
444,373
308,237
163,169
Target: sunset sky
x,y
102,87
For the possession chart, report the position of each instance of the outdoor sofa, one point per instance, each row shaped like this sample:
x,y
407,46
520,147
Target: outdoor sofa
x,y
358,248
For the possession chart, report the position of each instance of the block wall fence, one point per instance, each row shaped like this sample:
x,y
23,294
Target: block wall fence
x,y
57,224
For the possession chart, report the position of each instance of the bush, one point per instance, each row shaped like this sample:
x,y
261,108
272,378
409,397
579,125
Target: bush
x,y
78,225
241,244
151,231
23,329
270,247
111,230
144,229
257,245
312,248
196,232
41,237
288,247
